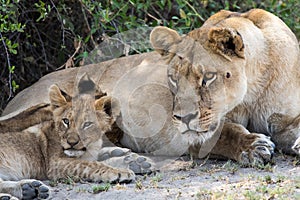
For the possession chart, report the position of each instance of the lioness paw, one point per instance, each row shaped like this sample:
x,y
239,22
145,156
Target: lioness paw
x,y
110,152
33,189
296,146
4,196
259,152
124,158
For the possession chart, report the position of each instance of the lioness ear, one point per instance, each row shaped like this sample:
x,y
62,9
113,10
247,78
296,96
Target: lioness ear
x,y
105,104
226,41
162,38
58,97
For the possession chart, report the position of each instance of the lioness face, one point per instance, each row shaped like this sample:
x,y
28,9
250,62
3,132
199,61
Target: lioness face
x,y
80,121
205,85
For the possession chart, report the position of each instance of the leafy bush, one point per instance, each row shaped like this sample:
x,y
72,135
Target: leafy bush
x,y
38,37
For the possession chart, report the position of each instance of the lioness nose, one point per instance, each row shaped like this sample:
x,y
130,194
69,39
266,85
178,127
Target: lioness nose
x,y
187,118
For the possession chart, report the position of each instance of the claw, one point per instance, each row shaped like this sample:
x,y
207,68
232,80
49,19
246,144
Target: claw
x,y
260,152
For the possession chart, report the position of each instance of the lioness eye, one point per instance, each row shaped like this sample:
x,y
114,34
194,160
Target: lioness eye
x,y
208,78
228,75
66,122
87,124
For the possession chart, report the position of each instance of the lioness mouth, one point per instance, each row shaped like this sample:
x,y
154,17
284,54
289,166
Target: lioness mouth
x,y
189,131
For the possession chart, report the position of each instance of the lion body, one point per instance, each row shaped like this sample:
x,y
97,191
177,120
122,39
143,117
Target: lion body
x,y
57,148
256,75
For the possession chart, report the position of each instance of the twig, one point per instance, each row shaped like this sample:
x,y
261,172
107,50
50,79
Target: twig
x,y
71,58
42,44
158,20
61,22
9,67
158,13
86,21
195,12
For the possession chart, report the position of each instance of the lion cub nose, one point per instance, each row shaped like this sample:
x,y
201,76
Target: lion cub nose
x,y
72,141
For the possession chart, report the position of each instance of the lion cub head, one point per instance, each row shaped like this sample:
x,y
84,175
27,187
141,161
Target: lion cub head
x,y
81,120
206,75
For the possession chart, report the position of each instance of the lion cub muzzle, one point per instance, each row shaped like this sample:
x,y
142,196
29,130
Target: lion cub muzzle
x,y
73,146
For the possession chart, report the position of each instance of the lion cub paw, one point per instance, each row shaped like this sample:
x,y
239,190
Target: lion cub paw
x,y
124,158
114,175
33,189
259,152
4,196
296,146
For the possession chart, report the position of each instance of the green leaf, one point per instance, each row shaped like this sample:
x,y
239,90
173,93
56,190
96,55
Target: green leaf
x,y
11,69
85,54
182,14
14,85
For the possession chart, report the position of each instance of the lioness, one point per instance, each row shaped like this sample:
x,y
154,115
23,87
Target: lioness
x,y
237,68
54,151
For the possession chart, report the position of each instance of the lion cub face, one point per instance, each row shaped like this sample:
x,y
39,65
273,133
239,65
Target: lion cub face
x,y
206,75
82,120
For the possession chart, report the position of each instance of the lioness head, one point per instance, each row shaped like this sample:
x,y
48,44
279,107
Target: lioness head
x,y
81,120
205,74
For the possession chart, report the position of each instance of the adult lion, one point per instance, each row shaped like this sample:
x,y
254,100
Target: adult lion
x,y
241,66
234,67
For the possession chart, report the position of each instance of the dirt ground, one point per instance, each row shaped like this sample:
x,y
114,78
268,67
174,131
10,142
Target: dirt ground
x,y
202,179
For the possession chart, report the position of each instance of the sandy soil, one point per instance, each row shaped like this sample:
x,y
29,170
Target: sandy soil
x,y
202,179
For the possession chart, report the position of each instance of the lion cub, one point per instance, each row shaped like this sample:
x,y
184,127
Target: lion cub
x,y
53,151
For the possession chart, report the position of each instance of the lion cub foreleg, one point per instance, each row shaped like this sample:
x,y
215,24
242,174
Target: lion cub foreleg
x,y
88,170
237,143
23,189
16,167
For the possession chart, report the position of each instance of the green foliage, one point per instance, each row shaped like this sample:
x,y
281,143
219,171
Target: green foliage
x,y
100,188
9,17
9,24
38,37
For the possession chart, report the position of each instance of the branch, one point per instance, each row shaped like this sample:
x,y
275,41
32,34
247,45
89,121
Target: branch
x,y
9,67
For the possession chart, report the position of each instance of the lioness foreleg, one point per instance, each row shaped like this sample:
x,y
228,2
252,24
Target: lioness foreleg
x,y
124,158
237,143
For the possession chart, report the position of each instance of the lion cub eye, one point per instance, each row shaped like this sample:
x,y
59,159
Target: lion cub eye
x,y
87,125
66,122
172,82
208,78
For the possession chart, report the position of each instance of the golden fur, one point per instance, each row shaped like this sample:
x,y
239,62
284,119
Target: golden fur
x,y
241,67
238,67
53,152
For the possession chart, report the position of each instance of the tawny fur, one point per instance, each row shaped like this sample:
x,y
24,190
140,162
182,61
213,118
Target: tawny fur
x,y
53,151
255,69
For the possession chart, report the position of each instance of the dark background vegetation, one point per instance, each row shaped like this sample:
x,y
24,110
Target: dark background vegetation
x,y
38,37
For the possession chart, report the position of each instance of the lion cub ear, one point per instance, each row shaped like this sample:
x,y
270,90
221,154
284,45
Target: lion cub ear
x,y
104,104
226,41
162,38
58,97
